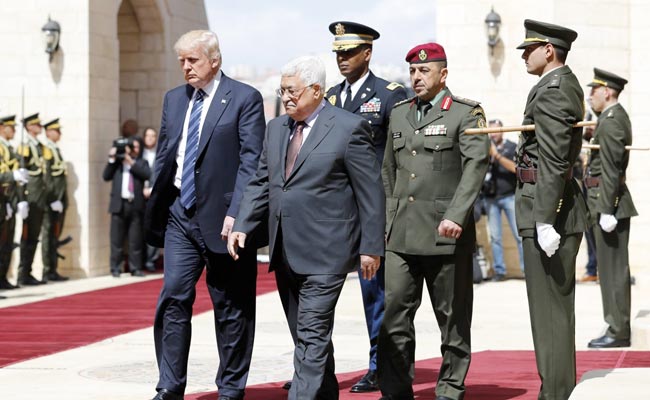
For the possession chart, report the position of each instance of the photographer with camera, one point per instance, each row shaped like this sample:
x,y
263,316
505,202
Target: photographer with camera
x,y
499,194
128,171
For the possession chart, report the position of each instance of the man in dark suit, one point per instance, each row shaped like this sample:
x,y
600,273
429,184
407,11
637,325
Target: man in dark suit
x,y
610,200
373,99
211,137
127,171
319,186
550,208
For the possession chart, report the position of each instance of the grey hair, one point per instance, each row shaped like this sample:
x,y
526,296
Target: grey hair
x,y
205,40
309,69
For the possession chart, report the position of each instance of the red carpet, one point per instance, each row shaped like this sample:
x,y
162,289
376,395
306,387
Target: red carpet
x,y
493,375
49,326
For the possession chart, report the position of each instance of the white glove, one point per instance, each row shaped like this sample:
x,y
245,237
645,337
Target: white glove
x,y
21,175
607,222
10,211
548,238
23,209
56,206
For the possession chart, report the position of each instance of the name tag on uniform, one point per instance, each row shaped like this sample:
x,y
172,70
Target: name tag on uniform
x,y
373,105
435,130
397,135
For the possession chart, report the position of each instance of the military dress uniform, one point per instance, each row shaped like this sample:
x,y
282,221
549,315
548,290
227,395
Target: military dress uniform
x,y
548,194
431,171
53,219
8,201
374,100
608,194
35,193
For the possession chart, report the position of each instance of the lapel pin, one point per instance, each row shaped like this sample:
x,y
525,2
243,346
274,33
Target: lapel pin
x,y
363,95
223,101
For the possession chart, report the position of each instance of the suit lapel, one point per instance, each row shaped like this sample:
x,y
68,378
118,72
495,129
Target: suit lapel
x,y
220,102
324,123
365,93
176,122
284,144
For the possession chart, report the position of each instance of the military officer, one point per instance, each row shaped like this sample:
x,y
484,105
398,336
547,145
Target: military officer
x,y
432,175
550,208
611,205
372,98
35,194
57,200
10,177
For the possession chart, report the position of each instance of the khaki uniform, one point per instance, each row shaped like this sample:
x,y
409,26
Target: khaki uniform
x,y
608,194
52,220
431,171
554,104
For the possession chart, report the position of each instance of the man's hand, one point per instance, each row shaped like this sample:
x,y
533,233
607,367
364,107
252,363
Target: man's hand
x,y
146,192
10,211
369,266
237,239
228,222
23,209
449,229
548,238
21,176
111,154
607,222
56,206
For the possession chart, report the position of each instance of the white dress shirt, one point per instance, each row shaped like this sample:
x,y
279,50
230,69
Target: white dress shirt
x,y
354,87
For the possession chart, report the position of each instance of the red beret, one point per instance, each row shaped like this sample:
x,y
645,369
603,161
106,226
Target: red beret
x,y
424,53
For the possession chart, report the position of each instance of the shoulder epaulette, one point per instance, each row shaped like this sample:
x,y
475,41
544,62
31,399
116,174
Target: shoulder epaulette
x,y
393,86
610,114
468,102
23,150
555,82
399,103
47,153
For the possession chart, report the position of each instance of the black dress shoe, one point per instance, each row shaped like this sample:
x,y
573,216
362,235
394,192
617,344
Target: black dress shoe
x,y
116,274
605,342
5,285
137,273
55,277
164,394
30,281
443,398
287,385
366,384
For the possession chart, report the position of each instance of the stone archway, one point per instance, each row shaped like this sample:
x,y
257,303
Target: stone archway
x,y
141,61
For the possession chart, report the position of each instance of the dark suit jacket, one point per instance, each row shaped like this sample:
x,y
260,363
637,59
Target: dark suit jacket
x,y
229,149
374,91
113,171
331,207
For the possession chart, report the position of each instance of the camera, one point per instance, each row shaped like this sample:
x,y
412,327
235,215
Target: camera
x,y
120,146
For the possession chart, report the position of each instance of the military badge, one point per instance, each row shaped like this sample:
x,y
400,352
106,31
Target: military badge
x,y
340,29
372,106
332,99
393,86
446,103
481,123
397,135
422,55
435,130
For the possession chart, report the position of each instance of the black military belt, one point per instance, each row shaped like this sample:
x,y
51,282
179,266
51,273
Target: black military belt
x,y
529,175
594,181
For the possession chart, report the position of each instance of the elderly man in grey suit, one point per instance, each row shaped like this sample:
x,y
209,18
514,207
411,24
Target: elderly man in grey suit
x,y
319,185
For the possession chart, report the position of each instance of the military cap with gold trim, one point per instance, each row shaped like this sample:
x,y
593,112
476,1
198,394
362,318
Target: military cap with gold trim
x,y
348,35
9,120
31,120
607,79
54,124
543,32
425,53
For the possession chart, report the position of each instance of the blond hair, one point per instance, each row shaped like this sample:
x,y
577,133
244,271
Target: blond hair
x,y
205,40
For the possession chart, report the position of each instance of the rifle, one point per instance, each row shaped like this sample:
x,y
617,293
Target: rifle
x,y
518,128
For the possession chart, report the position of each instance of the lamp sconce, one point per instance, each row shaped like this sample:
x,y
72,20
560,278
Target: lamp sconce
x,y
492,26
51,35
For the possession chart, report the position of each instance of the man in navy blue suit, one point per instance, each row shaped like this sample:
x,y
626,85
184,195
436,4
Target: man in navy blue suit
x,y
211,137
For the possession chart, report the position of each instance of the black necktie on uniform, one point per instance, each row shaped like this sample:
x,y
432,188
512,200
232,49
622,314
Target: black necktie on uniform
x,y
348,97
424,109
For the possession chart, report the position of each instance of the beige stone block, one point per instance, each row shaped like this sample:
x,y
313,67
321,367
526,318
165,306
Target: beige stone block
x,y
149,98
157,80
134,80
128,104
145,116
129,42
152,42
127,23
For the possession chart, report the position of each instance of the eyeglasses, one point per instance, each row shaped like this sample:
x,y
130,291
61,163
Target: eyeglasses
x,y
291,92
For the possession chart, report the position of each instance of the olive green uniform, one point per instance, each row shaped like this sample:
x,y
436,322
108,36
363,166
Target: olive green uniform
x,y
35,193
431,171
554,104
8,195
52,220
610,195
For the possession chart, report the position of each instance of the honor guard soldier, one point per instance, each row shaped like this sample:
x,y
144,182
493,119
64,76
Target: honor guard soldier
x,y
10,177
35,194
432,175
57,201
373,99
611,205
551,210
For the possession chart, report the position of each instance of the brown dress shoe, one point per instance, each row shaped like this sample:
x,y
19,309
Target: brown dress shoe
x,y
588,278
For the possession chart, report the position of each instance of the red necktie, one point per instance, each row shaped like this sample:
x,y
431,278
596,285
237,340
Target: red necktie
x,y
131,189
294,148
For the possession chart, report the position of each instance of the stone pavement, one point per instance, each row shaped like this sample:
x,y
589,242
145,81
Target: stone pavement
x,y
123,367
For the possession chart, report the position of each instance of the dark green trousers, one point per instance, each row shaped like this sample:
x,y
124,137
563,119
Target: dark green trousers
x,y
614,273
7,229
550,283
29,240
449,282
50,233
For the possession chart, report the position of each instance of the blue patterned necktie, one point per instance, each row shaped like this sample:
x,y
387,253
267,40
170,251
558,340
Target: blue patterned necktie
x,y
188,190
